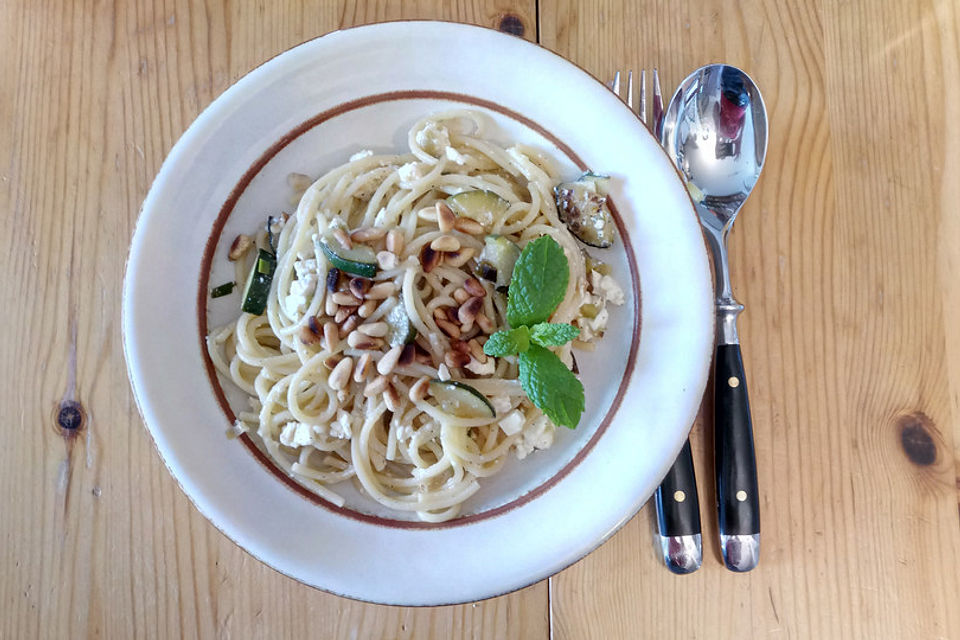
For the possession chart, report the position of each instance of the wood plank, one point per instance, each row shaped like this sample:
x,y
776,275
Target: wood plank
x,y
98,538
846,260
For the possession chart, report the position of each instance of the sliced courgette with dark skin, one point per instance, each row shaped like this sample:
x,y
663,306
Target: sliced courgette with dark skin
x,y
482,206
361,260
496,260
461,400
257,289
399,328
582,206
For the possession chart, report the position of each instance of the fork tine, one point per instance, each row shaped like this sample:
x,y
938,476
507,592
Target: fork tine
x,y
657,104
643,96
616,83
630,88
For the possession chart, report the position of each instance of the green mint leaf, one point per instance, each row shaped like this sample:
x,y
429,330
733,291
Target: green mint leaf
x,y
538,283
505,343
551,386
548,334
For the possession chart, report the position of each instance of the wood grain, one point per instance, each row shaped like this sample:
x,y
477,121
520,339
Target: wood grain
x,y
98,539
846,258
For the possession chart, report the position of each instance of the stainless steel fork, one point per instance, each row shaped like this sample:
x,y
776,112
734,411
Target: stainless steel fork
x,y
678,504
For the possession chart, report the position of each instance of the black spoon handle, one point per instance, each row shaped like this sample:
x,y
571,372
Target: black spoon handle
x,y
678,505
736,465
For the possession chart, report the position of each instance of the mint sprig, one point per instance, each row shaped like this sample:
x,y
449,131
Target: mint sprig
x,y
537,287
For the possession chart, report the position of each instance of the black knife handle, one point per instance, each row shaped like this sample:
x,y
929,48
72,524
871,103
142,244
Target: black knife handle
x,y
678,505
738,499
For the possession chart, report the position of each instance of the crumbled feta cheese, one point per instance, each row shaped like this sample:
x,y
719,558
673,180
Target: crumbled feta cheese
x,y
360,155
303,287
411,172
537,435
607,288
512,422
481,369
500,404
296,434
455,156
433,138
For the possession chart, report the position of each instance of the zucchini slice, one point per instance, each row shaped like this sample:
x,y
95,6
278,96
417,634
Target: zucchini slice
x,y
495,263
482,206
461,400
582,206
361,260
257,289
399,328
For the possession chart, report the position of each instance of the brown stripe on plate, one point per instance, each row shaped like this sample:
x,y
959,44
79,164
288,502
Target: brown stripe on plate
x,y
204,280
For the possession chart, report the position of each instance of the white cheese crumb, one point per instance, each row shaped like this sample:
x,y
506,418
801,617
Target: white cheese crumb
x,y
500,404
513,422
455,156
360,155
537,435
443,372
296,434
412,172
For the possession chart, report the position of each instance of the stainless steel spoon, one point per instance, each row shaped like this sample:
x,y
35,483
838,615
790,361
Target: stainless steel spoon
x,y
715,129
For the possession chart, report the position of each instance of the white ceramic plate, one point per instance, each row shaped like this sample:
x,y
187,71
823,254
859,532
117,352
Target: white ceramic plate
x,y
307,110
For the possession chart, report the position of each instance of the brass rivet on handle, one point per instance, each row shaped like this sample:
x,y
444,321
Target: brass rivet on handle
x,y
741,495
733,381
679,496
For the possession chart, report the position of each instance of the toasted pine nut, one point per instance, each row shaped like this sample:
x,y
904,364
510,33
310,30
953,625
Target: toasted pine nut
x,y
351,323
340,376
459,346
449,328
485,323
381,290
422,356
455,360
239,247
367,308
445,217
333,279
374,329
331,361
311,331
359,287
389,360
429,258
458,258
419,389
330,307
445,243
376,387
359,341
476,350
461,295
474,288
468,225
342,238
387,260
364,367
343,313
367,234
407,356
468,310
331,335
466,328
395,241
345,299
391,398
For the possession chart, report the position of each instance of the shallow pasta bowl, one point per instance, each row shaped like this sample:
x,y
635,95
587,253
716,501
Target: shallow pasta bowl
x,y
306,111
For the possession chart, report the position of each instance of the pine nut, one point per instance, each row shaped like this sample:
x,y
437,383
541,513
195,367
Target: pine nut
x,y
445,217
419,389
240,245
340,376
389,360
395,241
468,310
461,295
387,260
345,299
367,308
343,313
376,387
391,398
331,335
455,360
469,225
311,331
342,238
407,356
458,258
449,328
352,323
331,361
359,287
367,234
359,341
429,258
459,346
422,356
474,288
445,243
333,279
364,367
485,323
381,290
476,350
330,307
374,329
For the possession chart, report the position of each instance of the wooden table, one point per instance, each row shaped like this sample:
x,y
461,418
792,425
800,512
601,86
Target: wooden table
x,y
846,256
